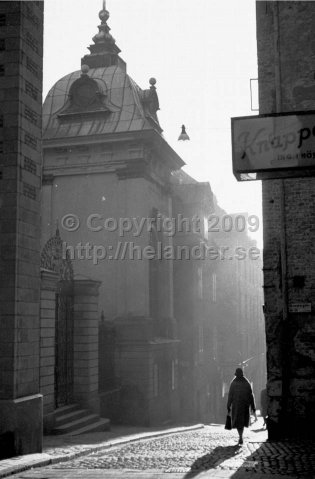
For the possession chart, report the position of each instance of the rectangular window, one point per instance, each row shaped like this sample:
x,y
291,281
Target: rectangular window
x,y
32,17
29,165
31,115
2,20
1,121
31,90
2,44
32,67
31,42
31,141
29,191
2,71
1,146
155,380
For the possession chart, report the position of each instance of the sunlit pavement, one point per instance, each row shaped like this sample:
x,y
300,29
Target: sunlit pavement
x,y
208,452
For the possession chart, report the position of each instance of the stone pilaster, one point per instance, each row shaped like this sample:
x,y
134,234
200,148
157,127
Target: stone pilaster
x,y
86,318
20,167
49,283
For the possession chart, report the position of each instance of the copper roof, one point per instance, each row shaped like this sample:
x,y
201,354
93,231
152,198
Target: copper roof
x,y
127,111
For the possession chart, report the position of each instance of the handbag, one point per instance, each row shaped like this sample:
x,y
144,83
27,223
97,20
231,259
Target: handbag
x,y
228,422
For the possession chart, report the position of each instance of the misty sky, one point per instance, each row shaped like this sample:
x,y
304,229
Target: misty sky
x,y
202,53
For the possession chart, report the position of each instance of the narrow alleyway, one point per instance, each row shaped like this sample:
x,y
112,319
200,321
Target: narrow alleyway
x,y
207,452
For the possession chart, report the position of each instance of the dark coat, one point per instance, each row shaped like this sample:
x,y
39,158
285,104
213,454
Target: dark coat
x,y
240,399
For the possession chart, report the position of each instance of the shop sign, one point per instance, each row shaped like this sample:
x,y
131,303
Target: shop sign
x,y
269,143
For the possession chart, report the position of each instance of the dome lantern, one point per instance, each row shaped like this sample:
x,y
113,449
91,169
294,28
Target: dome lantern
x,y
104,51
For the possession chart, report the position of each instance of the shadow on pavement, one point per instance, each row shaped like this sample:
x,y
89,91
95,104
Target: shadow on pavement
x,y
211,460
259,458
262,429
285,459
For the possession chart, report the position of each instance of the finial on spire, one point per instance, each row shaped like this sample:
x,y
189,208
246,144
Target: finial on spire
x,y
104,52
104,14
103,35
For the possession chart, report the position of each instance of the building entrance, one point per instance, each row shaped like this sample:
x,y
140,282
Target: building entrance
x,y
53,259
64,345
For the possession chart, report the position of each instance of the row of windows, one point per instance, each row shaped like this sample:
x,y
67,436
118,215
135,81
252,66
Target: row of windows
x,y
32,17
32,42
29,140
32,67
29,114
31,90
29,14
29,191
29,165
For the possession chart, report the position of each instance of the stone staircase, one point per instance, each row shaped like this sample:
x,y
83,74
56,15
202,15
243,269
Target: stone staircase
x,y
72,420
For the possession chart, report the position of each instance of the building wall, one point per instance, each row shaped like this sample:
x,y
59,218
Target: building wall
x,y
125,277
143,364
236,306
218,307
20,166
190,303
286,83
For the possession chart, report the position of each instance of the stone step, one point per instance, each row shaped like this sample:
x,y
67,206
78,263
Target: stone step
x,y
102,424
71,426
71,416
60,411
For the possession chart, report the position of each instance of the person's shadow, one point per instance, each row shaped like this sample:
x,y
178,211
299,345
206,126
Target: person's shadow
x,y
211,460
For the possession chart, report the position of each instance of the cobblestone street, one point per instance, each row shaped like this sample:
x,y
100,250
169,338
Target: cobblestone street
x,y
207,452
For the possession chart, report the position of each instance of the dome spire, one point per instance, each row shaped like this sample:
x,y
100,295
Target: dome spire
x,y
104,52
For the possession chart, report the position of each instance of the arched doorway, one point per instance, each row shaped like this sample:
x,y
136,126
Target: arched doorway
x,y
55,258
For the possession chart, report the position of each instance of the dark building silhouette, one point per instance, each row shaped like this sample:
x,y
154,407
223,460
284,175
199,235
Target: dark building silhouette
x,y
21,52
286,78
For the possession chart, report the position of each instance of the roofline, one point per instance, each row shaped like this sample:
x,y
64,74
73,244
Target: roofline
x,y
201,186
159,142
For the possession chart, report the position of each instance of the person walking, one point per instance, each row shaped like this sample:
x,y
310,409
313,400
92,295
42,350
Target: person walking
x,y
240,400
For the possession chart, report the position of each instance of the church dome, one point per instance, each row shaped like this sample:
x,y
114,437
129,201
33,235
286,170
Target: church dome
x,y
100,98
122,106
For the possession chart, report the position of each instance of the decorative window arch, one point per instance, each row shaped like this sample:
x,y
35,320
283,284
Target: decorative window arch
x,y
55,257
